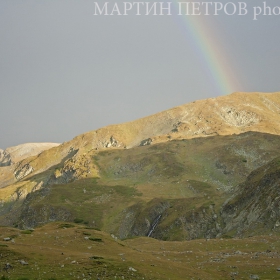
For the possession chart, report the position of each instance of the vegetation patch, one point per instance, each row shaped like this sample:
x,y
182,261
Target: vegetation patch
x,y
93,228
27,231
96,239
66,226
96,258
78,221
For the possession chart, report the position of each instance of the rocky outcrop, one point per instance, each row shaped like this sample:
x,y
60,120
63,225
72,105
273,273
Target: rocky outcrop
x,y
5,158
146,142
78,166
113,143
238,118
22,171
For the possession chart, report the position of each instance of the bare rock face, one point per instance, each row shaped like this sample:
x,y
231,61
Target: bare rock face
x,y
146,142
23,171
112,143
238,118
5,158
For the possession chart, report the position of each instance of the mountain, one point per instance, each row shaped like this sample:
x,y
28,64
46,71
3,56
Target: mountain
x,y
174,175
226,115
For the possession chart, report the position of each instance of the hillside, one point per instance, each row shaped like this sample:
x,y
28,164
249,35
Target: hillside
x,y
254,209
66,251
168,175
10,157
226,115
195,186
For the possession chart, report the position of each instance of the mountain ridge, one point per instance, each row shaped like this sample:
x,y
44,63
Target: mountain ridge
x,y
225,115
230,114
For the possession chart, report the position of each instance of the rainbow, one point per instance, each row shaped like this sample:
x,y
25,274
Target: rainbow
x,y
210,53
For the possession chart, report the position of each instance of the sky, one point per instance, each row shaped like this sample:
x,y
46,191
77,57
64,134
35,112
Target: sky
x,y
65,70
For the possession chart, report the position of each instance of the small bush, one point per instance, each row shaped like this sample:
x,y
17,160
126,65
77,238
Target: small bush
x,y
78,221
95,239
96,258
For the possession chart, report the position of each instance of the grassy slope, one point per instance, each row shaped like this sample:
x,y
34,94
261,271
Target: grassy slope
x,y
181,176
56,251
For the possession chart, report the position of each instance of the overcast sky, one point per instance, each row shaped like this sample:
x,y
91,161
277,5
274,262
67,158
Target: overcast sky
x,y
65,71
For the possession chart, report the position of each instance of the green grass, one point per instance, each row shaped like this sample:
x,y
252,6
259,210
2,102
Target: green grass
x,y
214,259
27,231
78,221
